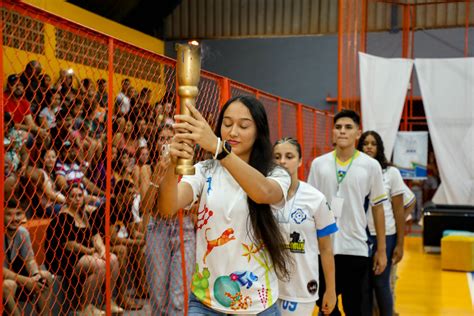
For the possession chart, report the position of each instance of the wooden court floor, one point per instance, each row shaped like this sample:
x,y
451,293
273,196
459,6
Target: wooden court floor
x,y
423,289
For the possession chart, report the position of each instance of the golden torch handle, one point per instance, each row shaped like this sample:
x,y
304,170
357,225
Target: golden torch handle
x,y
188,72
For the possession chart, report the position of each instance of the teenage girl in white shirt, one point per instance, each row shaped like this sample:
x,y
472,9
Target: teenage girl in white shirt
x,y
307,222
371,143
238,242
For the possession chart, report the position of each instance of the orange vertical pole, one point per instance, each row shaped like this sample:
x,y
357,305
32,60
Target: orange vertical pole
x,y
108,183
466,31
280,132
412,56
363,31
300,135
224,84
328,138
339,57
405,46
2,158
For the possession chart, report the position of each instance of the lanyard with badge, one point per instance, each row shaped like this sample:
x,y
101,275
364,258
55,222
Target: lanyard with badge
x,y
337,201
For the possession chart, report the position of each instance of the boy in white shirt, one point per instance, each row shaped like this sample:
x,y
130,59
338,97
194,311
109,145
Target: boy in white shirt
x,y
351,180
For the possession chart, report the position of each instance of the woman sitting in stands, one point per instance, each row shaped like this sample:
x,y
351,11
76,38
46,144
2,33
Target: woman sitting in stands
x,y
51,199
142,170
76,251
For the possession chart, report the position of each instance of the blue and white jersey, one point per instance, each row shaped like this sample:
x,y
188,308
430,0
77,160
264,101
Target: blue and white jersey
x,y
305,217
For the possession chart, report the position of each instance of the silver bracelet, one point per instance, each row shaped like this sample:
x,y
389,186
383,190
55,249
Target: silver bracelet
x,y
217,147
154,185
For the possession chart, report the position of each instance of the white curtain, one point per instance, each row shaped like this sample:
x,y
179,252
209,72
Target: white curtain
x,y
447,89
383,88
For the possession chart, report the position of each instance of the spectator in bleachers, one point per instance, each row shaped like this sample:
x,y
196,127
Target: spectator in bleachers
x,y
128,231
51,199
16,155
95,116
102,96
77,107
122,102
124,136
68,171
142,170
75,250
20,266
65,82
87,85
163,250
40,96
141,133
122,166
19,107
141,108
31,79
47,116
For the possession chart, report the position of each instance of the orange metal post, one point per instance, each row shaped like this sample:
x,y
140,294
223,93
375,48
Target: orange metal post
x,y
225,90
280,132
339,57
405,46
405,30
363,31
299,131
328,133
2,158
108,287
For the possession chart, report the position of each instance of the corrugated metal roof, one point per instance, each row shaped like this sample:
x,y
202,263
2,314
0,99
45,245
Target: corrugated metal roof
x,y
196,19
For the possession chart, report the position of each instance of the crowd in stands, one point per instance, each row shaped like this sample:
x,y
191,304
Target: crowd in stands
x,y
55,141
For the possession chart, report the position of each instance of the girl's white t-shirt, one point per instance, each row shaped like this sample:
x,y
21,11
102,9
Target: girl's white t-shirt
x,y
305,217
393,184
234,273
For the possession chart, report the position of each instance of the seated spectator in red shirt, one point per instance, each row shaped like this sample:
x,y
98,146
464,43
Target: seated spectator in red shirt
x,y
20,107
23,279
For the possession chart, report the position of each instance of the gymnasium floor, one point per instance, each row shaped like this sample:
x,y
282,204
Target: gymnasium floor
x,y
424,289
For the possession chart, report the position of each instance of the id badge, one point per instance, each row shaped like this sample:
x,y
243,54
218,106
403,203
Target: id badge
x,y
336,206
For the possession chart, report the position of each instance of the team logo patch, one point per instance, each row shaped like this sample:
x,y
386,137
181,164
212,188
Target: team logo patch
x,y
296,245
312,287
298,216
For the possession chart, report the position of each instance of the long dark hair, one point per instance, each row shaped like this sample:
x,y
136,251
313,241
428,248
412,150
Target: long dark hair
x,y
380,156
264,223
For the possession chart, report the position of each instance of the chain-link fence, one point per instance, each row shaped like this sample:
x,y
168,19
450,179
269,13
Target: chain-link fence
x,y
86,121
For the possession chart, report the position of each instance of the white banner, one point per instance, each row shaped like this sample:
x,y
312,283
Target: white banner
x,y
410,154
383,88
447,89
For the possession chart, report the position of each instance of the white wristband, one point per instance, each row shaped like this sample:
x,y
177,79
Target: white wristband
x,y
217,147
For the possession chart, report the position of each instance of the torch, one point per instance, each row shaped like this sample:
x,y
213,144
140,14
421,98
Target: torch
x,y
188,71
